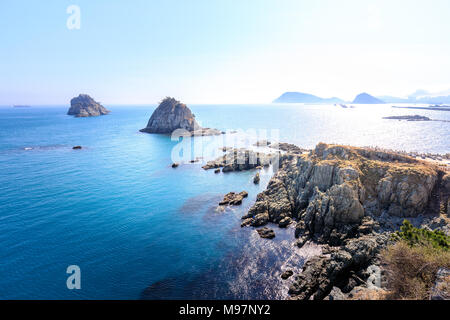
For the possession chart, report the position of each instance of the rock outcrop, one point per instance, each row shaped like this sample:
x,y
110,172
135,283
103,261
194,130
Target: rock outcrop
x,y
233,199
85,106
266,233
349,199
441,288
241,160
172,115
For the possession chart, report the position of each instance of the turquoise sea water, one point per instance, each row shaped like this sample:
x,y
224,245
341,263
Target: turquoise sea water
x,y
141,229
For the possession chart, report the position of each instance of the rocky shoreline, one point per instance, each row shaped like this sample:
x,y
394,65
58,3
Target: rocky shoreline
x,y
349,200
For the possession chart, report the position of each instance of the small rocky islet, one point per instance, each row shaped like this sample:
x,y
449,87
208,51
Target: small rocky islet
x,y
172,115
84,106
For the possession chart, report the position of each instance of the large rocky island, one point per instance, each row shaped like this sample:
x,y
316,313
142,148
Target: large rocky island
x,y
350,201
85,106
171,115
365,98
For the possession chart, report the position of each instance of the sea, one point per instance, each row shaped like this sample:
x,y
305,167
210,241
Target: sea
x,y
139,229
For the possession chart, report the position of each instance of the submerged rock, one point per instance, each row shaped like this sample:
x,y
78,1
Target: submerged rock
x,y
172,115
85,106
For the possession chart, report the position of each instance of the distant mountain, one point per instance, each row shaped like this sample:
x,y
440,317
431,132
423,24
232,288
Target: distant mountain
x,y
434,100
365,98
413,99
299,97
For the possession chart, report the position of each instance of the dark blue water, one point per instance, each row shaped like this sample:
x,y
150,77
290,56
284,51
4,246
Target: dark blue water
x,y
141,229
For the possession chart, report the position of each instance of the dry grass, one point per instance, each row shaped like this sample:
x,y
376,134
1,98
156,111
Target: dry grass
x,y
411,271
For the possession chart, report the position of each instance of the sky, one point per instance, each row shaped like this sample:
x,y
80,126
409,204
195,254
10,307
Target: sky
x,y
221,51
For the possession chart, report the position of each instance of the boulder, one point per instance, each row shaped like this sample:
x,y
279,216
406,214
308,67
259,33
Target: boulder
x,y
233,199
266,233
256,178
287,274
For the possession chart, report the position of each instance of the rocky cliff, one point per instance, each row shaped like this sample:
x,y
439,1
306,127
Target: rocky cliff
x,y
85,106
348,199
172,115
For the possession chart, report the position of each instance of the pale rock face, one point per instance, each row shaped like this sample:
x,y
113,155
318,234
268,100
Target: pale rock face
x,y
332,189
85,106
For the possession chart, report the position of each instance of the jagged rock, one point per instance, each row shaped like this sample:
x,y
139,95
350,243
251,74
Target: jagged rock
x,y
266,233
233,199
240,160
256,178
287,274
288,147
284,222
336,294
85,106
333,188
321,273
350,199
172,115
441,288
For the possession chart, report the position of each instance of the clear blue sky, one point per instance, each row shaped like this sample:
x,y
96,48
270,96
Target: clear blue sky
x,y
221,51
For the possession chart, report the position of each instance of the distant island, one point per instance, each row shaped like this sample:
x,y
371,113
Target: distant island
x,y
171,115
85,106
300,97
365,98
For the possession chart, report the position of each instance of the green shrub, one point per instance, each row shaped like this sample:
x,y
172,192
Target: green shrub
x,y
422,237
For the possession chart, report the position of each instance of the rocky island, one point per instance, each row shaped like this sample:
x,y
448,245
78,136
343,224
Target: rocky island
x,y
365,98
351,201
171,115
409,118
85,106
